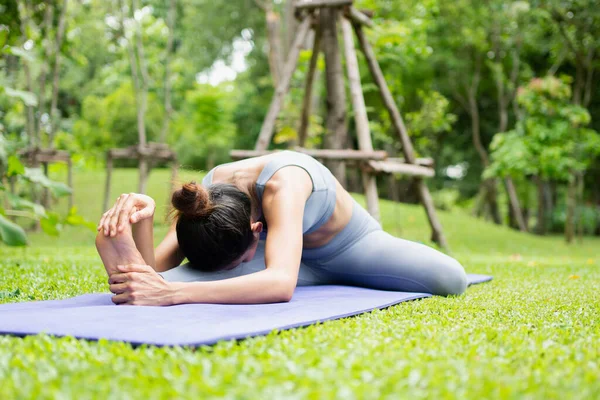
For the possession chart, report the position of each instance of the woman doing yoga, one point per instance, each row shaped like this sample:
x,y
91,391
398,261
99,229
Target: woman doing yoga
x,y
253,231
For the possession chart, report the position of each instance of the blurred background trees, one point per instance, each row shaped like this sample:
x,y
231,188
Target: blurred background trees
x,y
511,88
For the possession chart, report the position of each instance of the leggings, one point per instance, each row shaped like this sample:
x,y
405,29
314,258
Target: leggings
x,y
362,254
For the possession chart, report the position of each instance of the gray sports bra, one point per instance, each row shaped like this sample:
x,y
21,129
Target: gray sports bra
x,y
321,203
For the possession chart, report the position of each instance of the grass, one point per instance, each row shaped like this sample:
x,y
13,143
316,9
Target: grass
x,y
533,332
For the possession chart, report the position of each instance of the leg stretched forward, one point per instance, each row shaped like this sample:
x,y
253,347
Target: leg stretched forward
x,y
362,254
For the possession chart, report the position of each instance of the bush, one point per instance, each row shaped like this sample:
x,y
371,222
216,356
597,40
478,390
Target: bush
x,y
202,132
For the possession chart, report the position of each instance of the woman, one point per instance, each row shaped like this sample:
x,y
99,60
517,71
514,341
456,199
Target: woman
x,y
315,234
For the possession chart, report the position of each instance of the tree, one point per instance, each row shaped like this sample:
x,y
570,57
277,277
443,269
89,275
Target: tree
x,y
550,142
505,33
167,86
576,23
462,45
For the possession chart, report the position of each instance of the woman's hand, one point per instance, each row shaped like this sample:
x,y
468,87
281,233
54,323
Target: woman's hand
x,y
140,285
129,208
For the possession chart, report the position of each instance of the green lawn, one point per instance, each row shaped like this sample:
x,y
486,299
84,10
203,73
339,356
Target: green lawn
x,y
533,332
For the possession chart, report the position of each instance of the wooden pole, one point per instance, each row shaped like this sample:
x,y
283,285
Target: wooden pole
x,y
310,4
325,154
144,172
45,191
173,182
360,116
109,168
398,123
308,86
358,17
336,123
266,131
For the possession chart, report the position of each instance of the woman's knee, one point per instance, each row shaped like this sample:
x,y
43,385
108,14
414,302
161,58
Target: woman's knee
x,y
451,278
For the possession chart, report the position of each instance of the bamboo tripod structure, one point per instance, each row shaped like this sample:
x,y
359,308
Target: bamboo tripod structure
x,y
146,155
35,156
307,11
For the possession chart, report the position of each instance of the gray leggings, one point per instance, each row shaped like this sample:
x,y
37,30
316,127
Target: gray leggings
x,y
362,254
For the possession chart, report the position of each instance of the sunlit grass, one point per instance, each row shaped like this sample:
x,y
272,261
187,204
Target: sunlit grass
x,y
533,332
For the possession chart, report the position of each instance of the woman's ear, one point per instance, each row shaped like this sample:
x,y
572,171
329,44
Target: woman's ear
x,y
257,227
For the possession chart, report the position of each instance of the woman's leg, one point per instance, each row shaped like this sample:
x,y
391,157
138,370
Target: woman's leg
x,y
379,260
118,250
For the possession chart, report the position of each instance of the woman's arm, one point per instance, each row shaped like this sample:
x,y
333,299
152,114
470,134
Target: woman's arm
x,y
267,286
167,254
283,206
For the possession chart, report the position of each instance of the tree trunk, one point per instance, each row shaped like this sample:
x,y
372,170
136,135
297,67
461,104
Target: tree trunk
x,y
579,214
141,97
504,96
275,51
291,24
144,81
54,117
515,206
579,82
266,130
48,18
490,184
571,204
336,124
492,200
540,227
588,85
30,116
168,52
307,101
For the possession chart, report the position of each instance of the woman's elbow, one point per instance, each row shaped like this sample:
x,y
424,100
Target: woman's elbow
x,y
285,288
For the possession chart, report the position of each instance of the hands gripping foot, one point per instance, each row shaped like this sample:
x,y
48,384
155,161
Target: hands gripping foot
x,y
114,241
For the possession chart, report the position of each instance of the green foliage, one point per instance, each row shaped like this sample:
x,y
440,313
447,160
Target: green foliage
x,y
511,156
446,199
551,141
27,97
111,121
431,52
203,130
586,216
431,120
11,233
14,166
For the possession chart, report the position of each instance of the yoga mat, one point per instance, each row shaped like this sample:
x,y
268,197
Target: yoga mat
x,y
94,316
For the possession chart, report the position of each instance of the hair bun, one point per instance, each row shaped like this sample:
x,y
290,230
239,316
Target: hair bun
x,y
192,200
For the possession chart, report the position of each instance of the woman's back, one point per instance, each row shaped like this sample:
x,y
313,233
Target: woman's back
x,y
328,198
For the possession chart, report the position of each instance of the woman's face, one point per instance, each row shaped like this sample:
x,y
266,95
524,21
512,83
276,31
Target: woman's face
x,y
251,251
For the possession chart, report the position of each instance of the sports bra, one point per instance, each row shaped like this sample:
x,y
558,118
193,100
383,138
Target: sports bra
x,y
321,203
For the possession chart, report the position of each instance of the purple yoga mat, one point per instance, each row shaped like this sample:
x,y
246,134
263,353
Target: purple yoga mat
x,y
94,316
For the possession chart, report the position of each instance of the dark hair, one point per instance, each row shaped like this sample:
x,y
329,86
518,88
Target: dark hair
x,y
213,224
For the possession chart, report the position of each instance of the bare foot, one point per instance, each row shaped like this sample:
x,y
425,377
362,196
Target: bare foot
x,y
118,250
